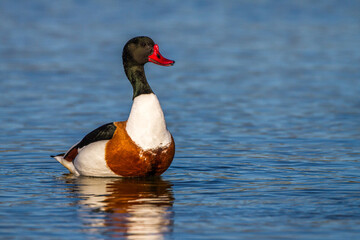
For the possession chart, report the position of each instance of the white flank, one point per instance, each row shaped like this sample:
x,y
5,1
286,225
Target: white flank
x,y
146,124
90,161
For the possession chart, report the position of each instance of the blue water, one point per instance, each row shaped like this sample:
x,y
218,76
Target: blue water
x,y
263,103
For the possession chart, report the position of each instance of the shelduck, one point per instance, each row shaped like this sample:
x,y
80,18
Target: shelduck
x,y
141,145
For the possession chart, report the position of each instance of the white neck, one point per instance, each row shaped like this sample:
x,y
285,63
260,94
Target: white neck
x,y
146,124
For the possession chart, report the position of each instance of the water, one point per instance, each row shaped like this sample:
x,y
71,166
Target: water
x,y
263,103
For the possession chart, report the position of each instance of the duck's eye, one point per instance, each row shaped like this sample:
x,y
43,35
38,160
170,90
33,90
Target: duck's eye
x,y
143,44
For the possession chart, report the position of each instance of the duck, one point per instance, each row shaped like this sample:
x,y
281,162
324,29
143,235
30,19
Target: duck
x,y
142,145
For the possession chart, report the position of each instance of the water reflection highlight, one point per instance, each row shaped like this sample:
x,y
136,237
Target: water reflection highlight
x,y
132,208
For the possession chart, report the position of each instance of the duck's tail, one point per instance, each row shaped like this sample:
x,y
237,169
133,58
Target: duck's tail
x,y
69,165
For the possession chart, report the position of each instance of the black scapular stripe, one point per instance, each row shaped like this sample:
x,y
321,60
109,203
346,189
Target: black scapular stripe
x,y
105,132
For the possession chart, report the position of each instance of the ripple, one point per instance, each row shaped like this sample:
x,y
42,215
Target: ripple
x,y
262,102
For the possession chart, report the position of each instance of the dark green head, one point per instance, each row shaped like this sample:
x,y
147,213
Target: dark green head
x,y
138,51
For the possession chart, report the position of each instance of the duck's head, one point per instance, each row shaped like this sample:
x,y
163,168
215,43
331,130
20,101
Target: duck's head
x,y
140,50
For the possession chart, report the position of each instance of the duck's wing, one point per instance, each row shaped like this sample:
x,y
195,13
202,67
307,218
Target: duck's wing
x,y
105,132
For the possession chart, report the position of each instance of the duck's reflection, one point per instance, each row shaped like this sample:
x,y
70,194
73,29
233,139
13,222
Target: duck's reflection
x,y
135,208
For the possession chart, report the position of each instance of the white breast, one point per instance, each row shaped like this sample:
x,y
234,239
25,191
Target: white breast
x,y
146,124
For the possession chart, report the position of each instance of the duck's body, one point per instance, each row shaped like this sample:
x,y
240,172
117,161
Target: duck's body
x,y
140,146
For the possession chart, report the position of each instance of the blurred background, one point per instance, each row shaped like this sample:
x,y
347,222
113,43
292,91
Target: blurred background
x,y
263,103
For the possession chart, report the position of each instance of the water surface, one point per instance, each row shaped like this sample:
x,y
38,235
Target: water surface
x,y
263,103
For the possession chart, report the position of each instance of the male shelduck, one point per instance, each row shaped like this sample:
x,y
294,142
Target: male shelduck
x,y
140,146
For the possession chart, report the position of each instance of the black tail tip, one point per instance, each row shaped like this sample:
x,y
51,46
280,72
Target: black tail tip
x,y
61,154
